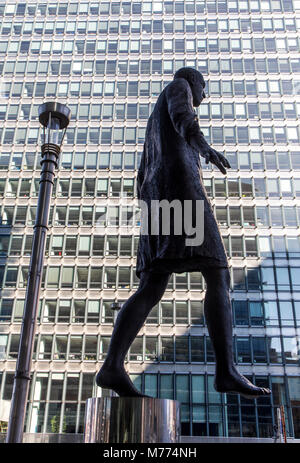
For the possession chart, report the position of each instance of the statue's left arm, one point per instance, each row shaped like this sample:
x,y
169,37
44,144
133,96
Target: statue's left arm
x,y
185,122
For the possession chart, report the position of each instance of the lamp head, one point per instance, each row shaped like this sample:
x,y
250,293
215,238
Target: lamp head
x,y
54,117
59,112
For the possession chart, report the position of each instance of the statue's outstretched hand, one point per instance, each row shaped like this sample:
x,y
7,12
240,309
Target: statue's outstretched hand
x,y
215,158
199,143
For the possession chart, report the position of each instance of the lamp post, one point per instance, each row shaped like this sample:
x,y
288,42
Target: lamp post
x,y
54,117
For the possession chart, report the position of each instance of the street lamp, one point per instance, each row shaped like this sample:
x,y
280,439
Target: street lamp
x,y
55,118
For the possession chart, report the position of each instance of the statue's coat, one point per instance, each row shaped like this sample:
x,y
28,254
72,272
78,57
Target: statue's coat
x,y
170,169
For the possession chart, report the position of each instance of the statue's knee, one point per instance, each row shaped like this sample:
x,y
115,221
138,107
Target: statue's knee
x,y
159,286
153,286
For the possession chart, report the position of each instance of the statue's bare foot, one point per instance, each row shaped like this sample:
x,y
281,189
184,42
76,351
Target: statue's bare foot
x,y
235,383
118,380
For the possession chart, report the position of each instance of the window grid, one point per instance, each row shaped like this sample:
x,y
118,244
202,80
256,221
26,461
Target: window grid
x,y
251,115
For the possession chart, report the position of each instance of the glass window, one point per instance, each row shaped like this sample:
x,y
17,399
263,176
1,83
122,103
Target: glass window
x,y
151,348
151,385
286,312
271,313
274,348
124,277
166,386
182,388
81,277
197,349
233,188
107,314
256,313
279,390
84,245
221,214
238,278
78,311
290,216
243,350
14,346
181,309
67,277
294,388
240,310
248,213
182,349
167,312
60,353
235,216
268,281
11,277
93,306
291,350
210,357
246,184
237,246
57,380
90,348
167,349
136,349
6,306
276,216
45,347
75,353
40,386
259,349
49,311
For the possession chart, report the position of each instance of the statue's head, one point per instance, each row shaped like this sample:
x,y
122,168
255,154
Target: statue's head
x,y
196,81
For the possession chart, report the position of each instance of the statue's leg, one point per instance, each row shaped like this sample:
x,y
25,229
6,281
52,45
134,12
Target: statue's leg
x,y
130,320
218,315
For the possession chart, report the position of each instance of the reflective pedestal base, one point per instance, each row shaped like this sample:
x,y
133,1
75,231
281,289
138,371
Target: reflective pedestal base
x,y
131,420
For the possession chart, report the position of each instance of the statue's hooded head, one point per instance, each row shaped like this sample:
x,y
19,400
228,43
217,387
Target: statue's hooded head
x,y
196,81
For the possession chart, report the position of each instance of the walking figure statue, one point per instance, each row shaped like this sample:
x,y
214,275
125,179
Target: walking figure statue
x,y
170,169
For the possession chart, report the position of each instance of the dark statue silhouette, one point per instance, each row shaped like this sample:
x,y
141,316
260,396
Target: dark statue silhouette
x,y
170,169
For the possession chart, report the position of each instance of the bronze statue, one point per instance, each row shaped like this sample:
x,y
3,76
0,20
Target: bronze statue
x,y
170,169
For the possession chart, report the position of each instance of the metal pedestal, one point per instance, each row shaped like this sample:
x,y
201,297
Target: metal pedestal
x,y
131,420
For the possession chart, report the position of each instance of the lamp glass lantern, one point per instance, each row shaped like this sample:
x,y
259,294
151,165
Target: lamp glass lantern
x,y
55,118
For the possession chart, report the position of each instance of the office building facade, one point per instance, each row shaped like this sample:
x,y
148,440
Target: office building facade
x,y
109,61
